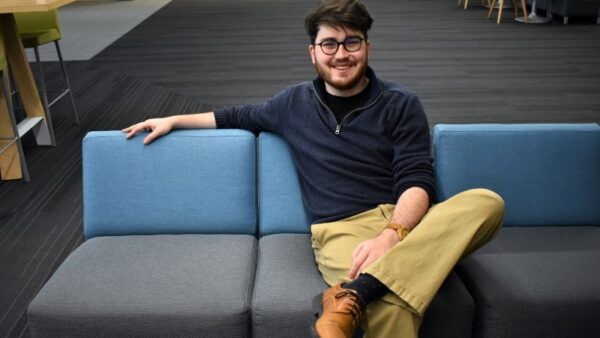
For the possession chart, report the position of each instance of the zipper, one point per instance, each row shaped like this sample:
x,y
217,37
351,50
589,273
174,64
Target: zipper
x,y
338,126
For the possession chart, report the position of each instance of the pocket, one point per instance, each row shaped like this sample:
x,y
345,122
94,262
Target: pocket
x,y
316,239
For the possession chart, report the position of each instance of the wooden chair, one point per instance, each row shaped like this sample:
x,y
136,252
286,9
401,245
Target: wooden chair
x,y
483,2
501,6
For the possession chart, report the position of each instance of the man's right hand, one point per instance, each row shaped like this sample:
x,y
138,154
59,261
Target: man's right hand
x,y
157,127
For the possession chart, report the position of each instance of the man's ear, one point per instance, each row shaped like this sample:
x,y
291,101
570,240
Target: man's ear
x,y
368,43
311,51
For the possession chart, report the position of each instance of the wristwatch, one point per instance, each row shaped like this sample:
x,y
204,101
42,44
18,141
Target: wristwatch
x,y
401,230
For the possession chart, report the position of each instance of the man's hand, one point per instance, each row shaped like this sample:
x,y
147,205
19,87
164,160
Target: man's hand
x,y
158,128
370,250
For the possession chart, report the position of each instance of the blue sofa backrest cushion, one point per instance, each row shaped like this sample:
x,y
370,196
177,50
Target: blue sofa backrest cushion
x,y
194,181
548,174
281,209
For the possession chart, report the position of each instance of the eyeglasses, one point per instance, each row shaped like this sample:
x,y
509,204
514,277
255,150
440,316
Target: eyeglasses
x,y
331,46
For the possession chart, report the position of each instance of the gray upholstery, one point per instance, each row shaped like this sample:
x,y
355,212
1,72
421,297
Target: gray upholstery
x,y
150,286
287,279
536,282
570,7
451,312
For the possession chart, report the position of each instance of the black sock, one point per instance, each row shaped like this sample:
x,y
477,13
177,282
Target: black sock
x,y
368,288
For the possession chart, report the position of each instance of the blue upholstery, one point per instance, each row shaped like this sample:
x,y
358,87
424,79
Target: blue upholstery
x,y
200,181
548,175
215,278
279,197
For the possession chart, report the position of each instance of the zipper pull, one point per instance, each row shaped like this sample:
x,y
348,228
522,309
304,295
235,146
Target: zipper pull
x,y
337,129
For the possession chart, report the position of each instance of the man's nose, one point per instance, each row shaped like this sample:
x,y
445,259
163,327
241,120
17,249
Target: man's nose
x,y
341,53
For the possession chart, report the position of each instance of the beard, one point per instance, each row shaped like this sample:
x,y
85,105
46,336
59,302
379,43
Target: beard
x,y
345,83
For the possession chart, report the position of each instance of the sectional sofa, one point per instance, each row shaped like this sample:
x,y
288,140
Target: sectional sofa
x,y
570,8
203,234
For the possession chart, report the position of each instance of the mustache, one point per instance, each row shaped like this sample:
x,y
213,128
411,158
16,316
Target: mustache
x,y
342,63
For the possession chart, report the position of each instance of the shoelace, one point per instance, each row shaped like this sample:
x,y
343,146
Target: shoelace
x,y
356,305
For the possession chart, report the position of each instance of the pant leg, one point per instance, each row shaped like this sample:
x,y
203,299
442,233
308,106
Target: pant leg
x,y
416,267
386,320
333,244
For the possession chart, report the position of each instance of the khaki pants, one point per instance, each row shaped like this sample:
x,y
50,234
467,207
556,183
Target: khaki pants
x,y
415,268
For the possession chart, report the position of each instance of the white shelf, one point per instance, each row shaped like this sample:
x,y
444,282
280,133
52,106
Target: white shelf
x,y
27,124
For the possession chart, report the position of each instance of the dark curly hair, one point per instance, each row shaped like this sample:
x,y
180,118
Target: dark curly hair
x,y
338,13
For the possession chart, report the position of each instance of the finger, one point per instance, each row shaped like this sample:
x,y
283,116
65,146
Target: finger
x,y
152,136
135,129
357,264
352,272
365,264
357,251
133,126
131,133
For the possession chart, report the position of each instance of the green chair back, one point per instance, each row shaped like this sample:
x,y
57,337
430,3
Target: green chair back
x,y
38,28
33,22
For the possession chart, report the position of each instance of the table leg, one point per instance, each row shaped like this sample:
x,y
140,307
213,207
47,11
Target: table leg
x,y
10,159
533,17
23,78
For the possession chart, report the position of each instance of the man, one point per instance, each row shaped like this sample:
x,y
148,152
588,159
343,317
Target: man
x,y
362,148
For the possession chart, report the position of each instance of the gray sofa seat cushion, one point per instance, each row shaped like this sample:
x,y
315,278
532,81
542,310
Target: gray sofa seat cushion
x,y
150,286
451,313
536,282
287,279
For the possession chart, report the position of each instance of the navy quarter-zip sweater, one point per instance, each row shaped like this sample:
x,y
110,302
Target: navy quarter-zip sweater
x,y
371,157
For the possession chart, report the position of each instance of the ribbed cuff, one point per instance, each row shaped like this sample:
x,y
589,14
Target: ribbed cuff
x,y
221,119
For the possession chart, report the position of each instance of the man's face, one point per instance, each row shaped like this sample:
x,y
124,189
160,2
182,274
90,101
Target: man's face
x,y
343,72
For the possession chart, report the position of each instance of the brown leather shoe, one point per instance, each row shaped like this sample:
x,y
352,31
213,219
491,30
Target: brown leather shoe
x,y
340,312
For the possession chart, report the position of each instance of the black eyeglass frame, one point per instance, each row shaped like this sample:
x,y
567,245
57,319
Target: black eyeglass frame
x,y
338,43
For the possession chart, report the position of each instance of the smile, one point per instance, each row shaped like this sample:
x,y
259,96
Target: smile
x,y
342,67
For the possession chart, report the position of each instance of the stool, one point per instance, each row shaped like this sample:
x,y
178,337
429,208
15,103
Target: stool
x,y
10,136
37,29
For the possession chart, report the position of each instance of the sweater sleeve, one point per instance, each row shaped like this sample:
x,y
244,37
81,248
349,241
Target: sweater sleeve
x,y
412,164
266,116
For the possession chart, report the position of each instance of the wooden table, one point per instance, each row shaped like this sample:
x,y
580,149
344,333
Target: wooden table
x,y
36,119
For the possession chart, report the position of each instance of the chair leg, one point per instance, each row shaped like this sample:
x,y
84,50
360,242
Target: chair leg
x,y
516,8
492,4
524,8
500,8
44,94
466,3
13,121
66,77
